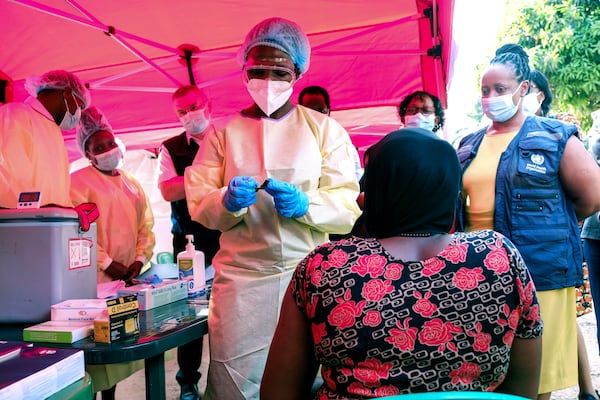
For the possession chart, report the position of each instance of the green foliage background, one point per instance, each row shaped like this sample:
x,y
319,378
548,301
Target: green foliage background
x,y
562,38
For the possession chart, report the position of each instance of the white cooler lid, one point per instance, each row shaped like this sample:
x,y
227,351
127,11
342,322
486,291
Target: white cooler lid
x,y
44,213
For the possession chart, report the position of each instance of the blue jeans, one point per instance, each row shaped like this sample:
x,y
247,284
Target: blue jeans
x,y
591,252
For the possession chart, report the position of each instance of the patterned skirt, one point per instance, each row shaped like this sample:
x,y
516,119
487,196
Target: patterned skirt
x,y
584,295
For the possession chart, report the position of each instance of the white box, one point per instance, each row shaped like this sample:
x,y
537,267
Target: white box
x,y
45,258
39,372
157,294
79,310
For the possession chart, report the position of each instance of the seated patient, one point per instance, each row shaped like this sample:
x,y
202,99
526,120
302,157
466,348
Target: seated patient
x,y
413,309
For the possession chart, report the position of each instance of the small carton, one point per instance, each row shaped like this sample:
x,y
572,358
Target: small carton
x,y
58,331
122,321
78,310
151,295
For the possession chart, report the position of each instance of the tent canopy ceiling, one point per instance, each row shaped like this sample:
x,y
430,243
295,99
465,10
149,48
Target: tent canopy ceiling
x,y
367,54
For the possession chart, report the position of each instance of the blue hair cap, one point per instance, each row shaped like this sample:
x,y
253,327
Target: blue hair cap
x,y
58,79
282,34
92,121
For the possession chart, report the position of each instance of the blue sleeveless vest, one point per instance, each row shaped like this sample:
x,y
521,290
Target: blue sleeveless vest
x,y
531,207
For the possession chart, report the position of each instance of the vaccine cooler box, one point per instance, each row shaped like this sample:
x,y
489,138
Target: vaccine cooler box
x,y
45,258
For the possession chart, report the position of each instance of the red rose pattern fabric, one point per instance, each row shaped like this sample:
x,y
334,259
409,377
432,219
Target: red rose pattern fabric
x,y
383,326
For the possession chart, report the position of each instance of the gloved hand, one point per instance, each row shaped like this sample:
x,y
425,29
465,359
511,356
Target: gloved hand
x,y
290,202
134,269
117,271
240,193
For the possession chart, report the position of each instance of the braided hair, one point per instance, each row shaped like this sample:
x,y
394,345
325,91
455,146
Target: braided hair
x,y
514,56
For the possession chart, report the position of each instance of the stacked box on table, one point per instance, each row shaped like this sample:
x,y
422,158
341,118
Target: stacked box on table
x,y
38,372
79,310
162,318
9,349
122,321
58,331
151,295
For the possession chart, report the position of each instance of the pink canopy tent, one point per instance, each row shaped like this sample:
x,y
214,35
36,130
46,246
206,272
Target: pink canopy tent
x,y
133,54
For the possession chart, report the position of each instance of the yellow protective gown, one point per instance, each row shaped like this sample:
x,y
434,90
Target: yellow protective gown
x,y
33,157
260,248
124,234
124,227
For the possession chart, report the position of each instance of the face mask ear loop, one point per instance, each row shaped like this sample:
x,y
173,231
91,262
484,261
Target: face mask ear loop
x,y
519,87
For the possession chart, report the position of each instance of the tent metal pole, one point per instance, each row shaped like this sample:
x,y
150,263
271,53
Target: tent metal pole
x,y
134,71
109,30
101,27
363,32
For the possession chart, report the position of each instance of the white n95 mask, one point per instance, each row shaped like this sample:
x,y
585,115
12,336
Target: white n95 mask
x,y
419,120
109,160
269,95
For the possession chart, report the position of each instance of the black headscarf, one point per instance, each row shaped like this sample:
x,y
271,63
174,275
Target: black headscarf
x,y
412,182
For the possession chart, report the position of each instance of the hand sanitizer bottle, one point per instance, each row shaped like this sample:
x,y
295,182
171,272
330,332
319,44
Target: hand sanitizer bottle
x,y
191,268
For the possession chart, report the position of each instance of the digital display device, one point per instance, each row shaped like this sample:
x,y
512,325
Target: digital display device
x,y
29,200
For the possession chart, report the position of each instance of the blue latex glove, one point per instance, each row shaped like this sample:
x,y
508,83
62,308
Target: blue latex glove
x,y
290,202
240,193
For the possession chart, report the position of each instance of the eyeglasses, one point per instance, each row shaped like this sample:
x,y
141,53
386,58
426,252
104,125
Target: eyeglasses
x,y
423,110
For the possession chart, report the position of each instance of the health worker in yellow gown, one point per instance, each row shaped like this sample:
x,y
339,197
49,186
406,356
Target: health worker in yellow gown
x,y
305,159
124,227
125,237
33,157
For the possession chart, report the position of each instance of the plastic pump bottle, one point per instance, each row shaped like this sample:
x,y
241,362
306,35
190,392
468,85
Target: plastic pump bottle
x,y
191,267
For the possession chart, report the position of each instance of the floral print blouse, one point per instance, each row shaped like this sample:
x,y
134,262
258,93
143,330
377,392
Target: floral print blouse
x,y
383,326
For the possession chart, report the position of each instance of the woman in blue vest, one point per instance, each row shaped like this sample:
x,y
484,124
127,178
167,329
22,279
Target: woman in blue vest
x,y
531,179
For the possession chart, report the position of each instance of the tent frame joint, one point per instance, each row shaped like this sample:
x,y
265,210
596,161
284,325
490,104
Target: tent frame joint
x,y
435,51
111,31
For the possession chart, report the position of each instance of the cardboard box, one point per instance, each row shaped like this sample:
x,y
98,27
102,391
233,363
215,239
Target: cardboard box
x,y
39,372
122,321
157,294
160,318
79,310
58,331
9,349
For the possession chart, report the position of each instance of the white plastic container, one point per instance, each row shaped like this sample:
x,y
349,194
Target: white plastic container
x,y
191,267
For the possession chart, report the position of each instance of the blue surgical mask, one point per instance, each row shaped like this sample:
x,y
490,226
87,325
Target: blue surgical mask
x,y
500,108
109,160
419,120
70,121
531,104
195,122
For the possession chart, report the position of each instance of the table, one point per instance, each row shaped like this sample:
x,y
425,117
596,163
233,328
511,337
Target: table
x,y
161,329
79,390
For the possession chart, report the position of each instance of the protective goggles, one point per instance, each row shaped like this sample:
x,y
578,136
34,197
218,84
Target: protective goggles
x,y
264,71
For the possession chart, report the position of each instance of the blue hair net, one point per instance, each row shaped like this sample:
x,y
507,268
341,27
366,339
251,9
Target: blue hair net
x,y
281,34
92,121
58,79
